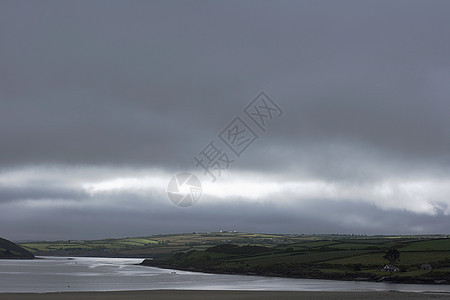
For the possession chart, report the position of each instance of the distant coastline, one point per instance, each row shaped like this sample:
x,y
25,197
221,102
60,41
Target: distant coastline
x,y
332,256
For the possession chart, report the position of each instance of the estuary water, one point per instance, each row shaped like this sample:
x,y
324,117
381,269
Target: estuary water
x,y
63,274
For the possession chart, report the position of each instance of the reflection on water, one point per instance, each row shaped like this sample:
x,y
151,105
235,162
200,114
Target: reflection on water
x,y
57,274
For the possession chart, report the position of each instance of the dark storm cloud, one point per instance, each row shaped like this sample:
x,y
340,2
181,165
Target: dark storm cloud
x,y
8,194
86,82
364,86
84,222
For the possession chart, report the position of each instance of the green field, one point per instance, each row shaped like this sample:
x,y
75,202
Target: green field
x,y
86,247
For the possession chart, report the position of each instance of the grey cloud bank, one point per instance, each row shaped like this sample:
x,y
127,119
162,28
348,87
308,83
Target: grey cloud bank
x,y
135,89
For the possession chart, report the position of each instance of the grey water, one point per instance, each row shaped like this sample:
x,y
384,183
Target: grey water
x,y
64,274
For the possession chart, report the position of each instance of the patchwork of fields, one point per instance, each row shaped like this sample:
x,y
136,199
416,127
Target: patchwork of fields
x,y
310,256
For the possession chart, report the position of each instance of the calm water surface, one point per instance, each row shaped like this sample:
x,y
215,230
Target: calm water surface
x,y
59,274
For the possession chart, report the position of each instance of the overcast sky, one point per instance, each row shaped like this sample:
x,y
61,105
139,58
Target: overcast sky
x,y
103,102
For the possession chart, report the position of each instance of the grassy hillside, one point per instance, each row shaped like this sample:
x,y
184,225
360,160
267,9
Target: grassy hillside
x,y
9,250
345,258
158,245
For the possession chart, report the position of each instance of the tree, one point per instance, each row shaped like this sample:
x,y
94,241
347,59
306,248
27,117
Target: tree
x,y
392,255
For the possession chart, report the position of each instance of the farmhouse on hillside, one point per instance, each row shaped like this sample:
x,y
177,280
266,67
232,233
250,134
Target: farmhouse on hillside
x,y
390,268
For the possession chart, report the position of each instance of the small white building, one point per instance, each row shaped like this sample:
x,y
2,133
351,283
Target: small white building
x,y
390,268
426,267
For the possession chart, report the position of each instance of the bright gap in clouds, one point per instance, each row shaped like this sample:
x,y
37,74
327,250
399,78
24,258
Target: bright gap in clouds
x,y
419,196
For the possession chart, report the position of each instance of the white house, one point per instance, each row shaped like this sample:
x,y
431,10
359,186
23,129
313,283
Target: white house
x,y
390,268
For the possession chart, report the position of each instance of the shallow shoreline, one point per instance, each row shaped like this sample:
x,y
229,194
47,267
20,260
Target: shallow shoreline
x,y
223,295
162,265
